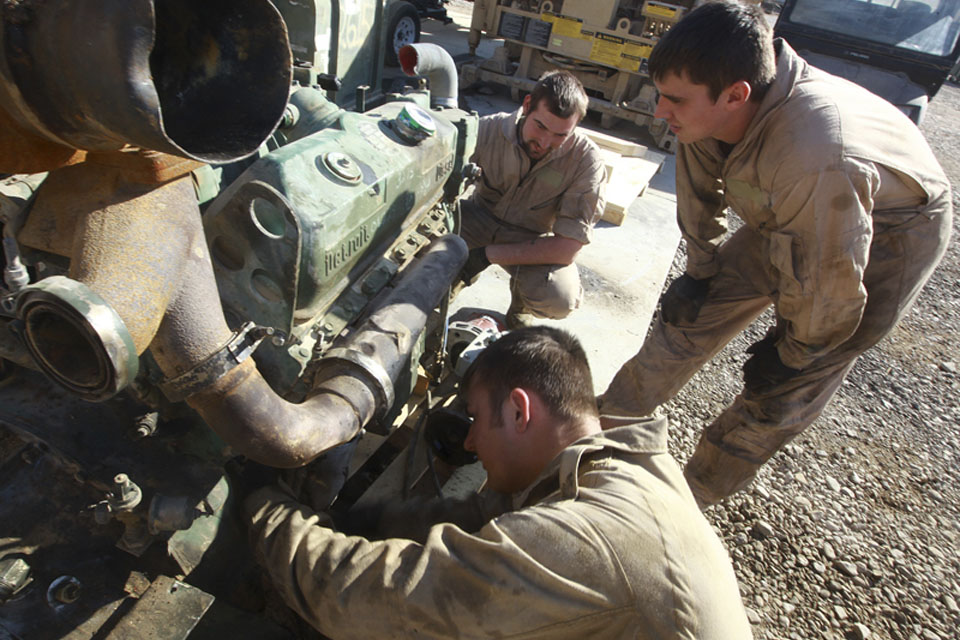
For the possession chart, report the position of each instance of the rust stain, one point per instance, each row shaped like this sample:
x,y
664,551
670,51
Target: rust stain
x,y
24,152
143,166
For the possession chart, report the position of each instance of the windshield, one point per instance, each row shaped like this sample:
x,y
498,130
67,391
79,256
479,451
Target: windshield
x,y
927,26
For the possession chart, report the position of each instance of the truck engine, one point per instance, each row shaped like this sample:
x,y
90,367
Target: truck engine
x,y
208,264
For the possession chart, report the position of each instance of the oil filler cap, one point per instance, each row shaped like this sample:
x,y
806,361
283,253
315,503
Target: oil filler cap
x,y
414,123
342,166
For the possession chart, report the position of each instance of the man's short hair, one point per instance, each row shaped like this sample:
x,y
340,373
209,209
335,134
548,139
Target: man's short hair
x,y
717,44
545,360
563,94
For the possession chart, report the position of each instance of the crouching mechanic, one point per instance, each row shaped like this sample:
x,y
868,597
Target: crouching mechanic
x,y
846,213
600,537
537,200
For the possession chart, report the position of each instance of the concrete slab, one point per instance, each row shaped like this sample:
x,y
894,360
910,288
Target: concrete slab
x,y
623,269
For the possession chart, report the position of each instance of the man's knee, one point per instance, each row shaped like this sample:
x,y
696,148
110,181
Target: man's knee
x,y
555,309
549,291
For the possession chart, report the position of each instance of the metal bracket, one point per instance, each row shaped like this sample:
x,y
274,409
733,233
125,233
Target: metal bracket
x,y
237,349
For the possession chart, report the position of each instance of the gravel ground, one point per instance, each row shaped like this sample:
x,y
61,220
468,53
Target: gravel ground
x,y
852,530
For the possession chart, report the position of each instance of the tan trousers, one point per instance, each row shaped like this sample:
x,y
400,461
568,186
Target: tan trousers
x,y
548,290
757,425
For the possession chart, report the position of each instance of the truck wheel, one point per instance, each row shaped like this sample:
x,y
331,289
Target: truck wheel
x,y
404,29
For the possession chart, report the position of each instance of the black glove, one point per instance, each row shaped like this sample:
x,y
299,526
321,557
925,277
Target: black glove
x,y
247,476
764,369
476,262
683,299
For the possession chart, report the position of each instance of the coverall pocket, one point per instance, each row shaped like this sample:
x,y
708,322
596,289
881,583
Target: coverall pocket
x,y
786,257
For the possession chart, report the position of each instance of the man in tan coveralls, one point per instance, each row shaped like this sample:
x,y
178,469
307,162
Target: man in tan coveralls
x,y
846,213
598,537
539,196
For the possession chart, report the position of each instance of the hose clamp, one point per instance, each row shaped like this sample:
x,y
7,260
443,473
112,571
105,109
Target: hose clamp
x,y
237,349
381,379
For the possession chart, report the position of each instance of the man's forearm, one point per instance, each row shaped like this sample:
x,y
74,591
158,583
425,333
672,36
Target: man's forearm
x,y
546,250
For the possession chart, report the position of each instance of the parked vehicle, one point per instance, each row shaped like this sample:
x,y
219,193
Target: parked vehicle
x,y
403,23
902,50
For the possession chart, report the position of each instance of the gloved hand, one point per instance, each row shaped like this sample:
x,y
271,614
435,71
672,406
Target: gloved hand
x,y
683,299
247,477
764,369
476,262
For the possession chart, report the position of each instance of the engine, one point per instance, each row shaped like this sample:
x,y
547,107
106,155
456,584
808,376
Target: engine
x,y
205,266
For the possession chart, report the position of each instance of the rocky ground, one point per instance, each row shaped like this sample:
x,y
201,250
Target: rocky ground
x,y
852,531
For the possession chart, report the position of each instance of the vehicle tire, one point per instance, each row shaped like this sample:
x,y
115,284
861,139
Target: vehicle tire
x,y
404,29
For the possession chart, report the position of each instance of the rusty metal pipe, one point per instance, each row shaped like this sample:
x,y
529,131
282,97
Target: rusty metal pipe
x,y
204,80
165,296
349,391
86,331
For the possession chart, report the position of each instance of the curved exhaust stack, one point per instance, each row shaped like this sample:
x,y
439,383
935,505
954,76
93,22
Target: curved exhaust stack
x,y
203,80
436,64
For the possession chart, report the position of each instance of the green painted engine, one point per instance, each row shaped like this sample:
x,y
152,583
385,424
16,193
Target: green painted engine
x,y
308,235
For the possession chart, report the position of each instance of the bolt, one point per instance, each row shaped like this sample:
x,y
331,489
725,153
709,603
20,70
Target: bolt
x,y
126,494
121,486
67,589
146,425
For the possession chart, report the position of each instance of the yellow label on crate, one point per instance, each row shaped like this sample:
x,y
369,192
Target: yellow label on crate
x,y
607,49
660,10
629,63
633,55
637,50
569,27
546,16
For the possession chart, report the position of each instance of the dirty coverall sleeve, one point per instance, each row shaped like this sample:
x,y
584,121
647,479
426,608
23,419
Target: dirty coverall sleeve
x,y
700,209
582,203
453,585
820,252
413,518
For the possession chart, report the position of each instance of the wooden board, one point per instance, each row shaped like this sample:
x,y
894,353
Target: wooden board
x,y
627,180
613,143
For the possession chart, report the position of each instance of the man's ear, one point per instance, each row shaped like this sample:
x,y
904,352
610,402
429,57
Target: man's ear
x,y
518,404
525,105
736,95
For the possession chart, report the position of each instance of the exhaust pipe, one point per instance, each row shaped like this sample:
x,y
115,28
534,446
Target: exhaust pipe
x,y
127,292
87,330
436,64
203,80
354,384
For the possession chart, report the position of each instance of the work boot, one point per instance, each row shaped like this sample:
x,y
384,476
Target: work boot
x,y
714,475
517,316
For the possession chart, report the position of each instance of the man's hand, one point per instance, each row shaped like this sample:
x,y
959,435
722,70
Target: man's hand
x,y
247,476
683,299
477,261
764,369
